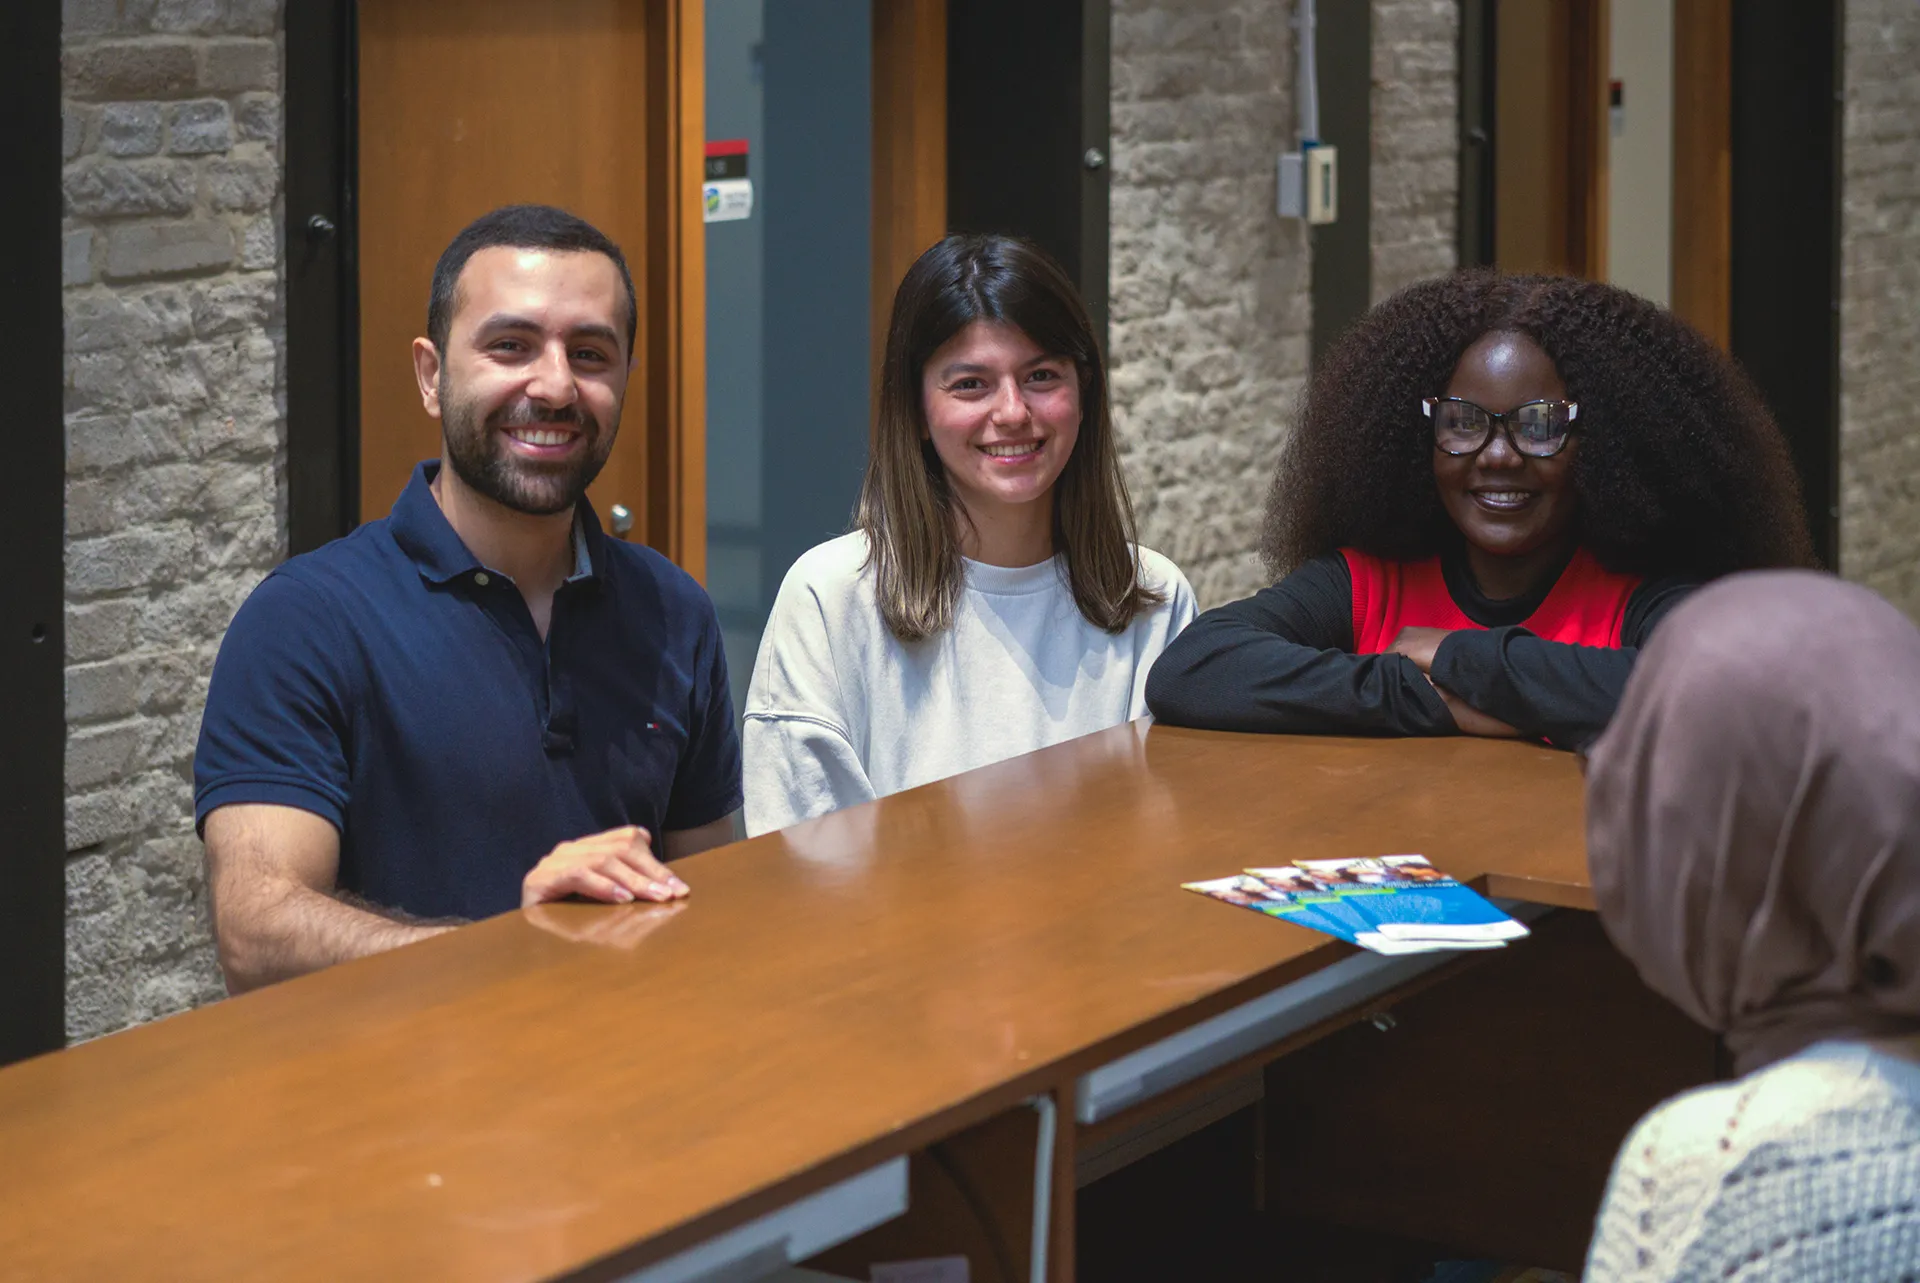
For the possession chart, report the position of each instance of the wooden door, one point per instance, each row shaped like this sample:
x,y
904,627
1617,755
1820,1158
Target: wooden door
x,y
591,105
1550,166
1703,166
909,147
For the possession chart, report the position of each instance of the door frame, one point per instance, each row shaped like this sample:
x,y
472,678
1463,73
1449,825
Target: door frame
x,y
1574,212
323,297
322,271
1478,54
1702,281
1786,139
1029,142
909,148
33,909
1341,266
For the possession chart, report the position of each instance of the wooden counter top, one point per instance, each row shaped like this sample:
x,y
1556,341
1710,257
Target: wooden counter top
x,y
585,1088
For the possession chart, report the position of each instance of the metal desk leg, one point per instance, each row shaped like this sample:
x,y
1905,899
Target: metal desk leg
x,y
1042,1186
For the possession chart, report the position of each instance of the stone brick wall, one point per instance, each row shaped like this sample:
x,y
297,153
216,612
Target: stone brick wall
x,y
175,437
1416,141
1210,302
1210,290
1880,301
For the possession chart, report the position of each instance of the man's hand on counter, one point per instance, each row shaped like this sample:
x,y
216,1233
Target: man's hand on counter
x,y
618,866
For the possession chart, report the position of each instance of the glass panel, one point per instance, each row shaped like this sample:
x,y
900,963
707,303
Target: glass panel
x,y
735,253
787,298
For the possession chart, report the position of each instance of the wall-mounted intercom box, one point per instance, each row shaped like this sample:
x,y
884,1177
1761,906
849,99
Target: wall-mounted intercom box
x,y
1309,184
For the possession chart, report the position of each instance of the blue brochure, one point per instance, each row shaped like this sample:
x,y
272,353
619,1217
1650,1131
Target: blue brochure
x,y
1407,899
1349,923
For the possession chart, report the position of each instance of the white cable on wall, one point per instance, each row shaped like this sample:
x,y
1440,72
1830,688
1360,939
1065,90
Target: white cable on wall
x,y
1307,187
1307,81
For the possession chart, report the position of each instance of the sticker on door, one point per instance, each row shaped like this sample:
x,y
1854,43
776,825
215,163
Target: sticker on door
x,y
727,193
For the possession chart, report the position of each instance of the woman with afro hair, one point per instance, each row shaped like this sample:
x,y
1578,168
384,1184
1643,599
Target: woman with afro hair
x,y
1498,487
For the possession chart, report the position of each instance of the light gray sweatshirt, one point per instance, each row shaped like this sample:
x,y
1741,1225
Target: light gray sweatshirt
x,y
840,711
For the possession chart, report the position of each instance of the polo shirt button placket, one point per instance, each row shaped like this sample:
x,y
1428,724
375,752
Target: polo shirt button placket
x,y
558,736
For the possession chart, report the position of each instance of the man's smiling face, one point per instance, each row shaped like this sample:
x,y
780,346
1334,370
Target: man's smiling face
x,y
534,372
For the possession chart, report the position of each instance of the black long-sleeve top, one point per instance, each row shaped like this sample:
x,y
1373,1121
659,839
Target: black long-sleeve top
x,y
1283,661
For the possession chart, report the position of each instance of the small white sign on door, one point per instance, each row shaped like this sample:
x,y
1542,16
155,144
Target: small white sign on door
x,y
727,199
727,192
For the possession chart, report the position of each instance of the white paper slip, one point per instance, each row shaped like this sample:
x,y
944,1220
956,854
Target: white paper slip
x,y
1392,945
1454,932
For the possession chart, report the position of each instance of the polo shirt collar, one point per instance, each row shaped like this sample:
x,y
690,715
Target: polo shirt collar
x,y
589,544
423,533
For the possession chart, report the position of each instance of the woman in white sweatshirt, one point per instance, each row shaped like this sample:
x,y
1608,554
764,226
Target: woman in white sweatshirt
x,y
990,600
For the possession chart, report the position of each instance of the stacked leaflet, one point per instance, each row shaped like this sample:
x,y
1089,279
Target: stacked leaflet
x,y
1391,904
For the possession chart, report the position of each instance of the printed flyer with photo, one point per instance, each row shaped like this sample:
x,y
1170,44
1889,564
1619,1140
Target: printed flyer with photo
x,y
1250,892
1408,899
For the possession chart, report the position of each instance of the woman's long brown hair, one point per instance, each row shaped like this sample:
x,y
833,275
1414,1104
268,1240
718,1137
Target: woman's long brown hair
x,y
907,507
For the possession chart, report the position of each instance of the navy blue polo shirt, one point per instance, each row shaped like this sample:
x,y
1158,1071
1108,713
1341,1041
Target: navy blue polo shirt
x,y
393,685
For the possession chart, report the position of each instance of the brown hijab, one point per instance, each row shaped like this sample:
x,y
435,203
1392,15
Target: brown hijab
x,y
1753,814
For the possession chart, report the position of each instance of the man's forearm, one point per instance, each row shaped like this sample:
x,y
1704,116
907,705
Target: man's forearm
x,y
302,930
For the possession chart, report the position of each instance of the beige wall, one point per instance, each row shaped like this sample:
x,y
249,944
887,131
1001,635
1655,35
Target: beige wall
x,y
1640,154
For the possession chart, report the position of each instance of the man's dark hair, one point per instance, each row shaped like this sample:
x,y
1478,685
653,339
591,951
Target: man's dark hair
x,y
1680,468
520,227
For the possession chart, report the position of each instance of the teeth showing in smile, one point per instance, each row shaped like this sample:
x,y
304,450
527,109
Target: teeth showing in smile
x,y
540,436
1504,496
1012,451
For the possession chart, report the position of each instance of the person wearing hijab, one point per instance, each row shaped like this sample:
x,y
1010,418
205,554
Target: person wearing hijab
x,y
1753,829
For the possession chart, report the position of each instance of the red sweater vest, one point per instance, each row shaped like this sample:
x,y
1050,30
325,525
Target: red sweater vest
x,y
1586,606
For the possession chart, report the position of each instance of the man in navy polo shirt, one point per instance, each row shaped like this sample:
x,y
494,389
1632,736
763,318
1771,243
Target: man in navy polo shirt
x,y
481,701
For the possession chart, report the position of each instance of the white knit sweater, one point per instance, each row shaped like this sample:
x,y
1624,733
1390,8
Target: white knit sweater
x,y
1808,1169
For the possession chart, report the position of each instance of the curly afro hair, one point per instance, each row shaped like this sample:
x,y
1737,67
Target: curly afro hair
x,y
1680,471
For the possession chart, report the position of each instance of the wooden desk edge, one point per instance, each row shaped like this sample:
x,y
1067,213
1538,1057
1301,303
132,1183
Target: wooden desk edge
x,y
1059,1078
1133,1115
1561,895
907,1139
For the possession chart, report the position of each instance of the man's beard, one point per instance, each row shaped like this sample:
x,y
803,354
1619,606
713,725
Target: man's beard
x,y
485,464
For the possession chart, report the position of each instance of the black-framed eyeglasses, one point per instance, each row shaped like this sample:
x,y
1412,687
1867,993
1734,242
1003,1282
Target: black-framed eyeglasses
x,y
1538,429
